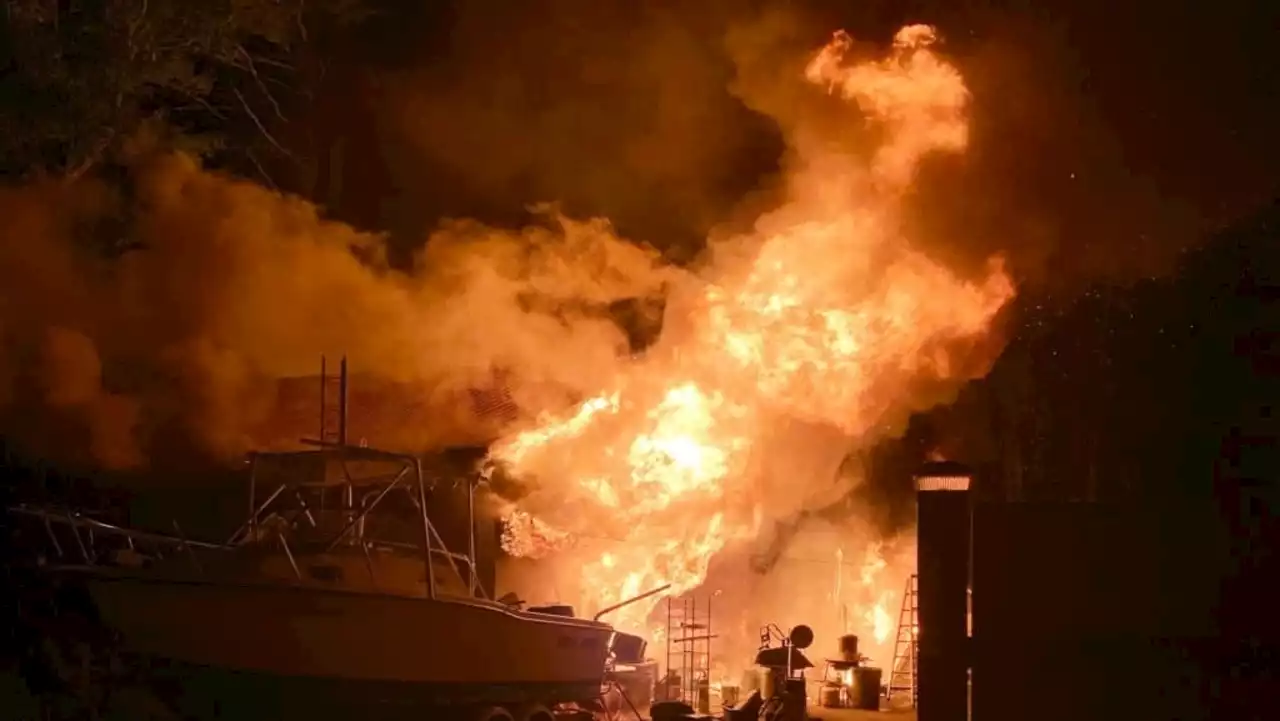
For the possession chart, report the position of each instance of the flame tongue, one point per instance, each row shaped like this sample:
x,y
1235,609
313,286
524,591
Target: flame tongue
x,y
835,314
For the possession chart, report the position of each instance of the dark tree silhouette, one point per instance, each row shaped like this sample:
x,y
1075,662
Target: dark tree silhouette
x,y
83,79
1166,387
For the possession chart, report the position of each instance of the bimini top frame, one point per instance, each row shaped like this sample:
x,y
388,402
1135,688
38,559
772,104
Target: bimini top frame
x,y
407,475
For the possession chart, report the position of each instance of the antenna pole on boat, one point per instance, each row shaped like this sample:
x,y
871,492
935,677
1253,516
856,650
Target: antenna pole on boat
x,y
333,410
342,403
324,397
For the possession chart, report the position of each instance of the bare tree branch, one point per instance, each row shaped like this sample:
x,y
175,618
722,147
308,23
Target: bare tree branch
x,y
89,161
202,102
253,70
276,64
262,171
302,29
258,122
139,61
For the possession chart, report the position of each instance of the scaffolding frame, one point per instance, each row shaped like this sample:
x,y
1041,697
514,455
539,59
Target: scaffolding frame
x,y
689,643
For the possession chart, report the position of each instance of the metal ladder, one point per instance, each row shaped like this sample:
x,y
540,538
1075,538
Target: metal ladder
x,y
902,677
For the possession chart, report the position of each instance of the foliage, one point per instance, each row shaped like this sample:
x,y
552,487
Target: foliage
x,y
81,78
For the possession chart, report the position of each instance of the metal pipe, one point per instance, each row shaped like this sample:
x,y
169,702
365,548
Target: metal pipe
x,y
471,537
446,554
84,552
631,600
365,500
324,391
306,509
348,501
357,453
689,639
365,511
53,537
251,525
342,403
81,522
368,560
688,687
449,557
284,545
426,529
253,491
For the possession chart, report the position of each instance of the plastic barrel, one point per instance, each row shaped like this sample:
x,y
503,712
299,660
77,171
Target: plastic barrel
x,y
866,688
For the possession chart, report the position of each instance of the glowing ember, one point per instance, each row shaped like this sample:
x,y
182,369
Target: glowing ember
x,y
827,323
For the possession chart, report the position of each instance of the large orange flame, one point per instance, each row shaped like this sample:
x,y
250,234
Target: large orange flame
x,y
831,317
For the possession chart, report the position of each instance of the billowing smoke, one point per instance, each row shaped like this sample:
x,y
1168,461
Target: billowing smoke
x,y
618,109
219,288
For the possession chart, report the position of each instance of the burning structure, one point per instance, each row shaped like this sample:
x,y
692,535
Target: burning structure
x,y
813,335
694,465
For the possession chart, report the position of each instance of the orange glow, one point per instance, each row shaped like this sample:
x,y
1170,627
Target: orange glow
x,y
823,315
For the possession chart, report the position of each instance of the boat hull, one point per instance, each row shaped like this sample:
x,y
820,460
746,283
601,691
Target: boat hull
x,y
443,650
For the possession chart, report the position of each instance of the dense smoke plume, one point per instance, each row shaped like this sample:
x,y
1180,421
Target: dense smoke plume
x,y
665,119
226,287
617,109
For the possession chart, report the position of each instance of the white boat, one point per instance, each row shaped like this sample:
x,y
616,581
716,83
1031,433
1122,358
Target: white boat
x,y
338,582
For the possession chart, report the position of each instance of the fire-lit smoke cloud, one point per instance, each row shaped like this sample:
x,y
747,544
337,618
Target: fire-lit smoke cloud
x,y
813,334
225,287
616,109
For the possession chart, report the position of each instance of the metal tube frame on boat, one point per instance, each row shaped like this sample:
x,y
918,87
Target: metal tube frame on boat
x,y
432,543
86,531
87,543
